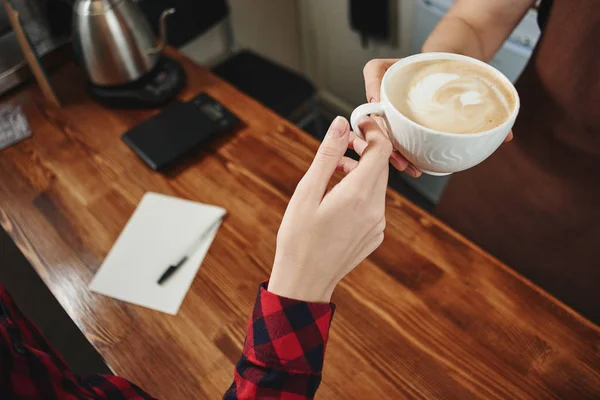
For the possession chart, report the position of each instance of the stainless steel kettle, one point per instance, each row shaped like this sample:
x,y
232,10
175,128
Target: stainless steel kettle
x,y
114,42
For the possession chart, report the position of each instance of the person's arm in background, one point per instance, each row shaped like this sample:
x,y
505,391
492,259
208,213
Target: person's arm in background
x,y
323,236
475,28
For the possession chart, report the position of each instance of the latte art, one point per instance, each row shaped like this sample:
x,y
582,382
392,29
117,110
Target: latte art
x,y
451,96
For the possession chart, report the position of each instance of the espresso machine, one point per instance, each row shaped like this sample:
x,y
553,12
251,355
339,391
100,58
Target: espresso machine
x,y
124,62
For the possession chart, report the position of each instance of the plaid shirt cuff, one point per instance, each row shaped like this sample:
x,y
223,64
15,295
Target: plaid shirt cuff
x,y
286,334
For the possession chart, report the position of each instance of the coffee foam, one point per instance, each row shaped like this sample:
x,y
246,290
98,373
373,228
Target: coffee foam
x,y
451,96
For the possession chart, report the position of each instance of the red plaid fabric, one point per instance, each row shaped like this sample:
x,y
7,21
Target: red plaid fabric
x,y
282,357
31,369
284,349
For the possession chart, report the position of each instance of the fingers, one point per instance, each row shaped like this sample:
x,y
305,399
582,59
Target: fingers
x,y
412,171
381,122
356,143
375,156
347,165
509,137
327,159
373,73
396,159
402,164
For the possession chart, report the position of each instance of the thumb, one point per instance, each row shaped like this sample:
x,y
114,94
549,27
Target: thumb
x,y
328,156
373,73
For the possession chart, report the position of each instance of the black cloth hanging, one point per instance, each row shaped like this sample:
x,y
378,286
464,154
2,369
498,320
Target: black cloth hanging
x,y
371,19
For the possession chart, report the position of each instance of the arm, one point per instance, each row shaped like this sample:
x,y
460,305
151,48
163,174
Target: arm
x,y
476,28
321,239
323,236
284,348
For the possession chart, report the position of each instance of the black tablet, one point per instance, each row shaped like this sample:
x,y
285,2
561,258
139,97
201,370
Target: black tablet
x,y
180,129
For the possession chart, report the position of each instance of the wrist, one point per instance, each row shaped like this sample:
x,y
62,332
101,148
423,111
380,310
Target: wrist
x,y
299,288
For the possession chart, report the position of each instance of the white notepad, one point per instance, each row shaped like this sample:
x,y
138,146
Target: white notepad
x,y
159,233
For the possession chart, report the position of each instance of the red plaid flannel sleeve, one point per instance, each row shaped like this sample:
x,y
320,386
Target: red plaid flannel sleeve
x,y
31,369
284,349
282,357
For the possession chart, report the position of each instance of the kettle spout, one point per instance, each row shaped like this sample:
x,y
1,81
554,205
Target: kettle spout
x,y
162,40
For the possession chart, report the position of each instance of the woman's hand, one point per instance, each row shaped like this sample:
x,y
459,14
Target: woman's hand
x,y
325,235
373,74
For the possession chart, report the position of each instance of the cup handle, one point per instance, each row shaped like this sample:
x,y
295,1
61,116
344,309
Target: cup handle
x,y
362,111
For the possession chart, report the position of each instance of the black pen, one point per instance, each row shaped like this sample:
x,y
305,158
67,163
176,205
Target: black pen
x,y
191,249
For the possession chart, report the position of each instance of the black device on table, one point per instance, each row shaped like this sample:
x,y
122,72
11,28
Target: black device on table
x,y
178,130
155,89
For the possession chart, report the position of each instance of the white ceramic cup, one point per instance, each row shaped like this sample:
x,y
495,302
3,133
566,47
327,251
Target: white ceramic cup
x,y
435,152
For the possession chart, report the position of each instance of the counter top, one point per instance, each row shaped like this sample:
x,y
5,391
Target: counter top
x,y
428,315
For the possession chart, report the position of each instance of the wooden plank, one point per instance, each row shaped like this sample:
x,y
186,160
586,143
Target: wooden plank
x,y
428,315
37,69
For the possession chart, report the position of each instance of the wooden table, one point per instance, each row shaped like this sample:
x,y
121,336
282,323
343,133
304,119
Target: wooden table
x,y
428,315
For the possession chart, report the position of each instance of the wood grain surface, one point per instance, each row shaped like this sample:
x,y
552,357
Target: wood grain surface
x,y
428,315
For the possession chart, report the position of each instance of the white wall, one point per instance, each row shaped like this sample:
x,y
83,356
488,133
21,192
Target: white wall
x,y
310,36
269,27
333,53
208,48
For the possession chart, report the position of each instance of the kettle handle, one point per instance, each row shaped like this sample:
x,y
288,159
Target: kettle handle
x,y
162,40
